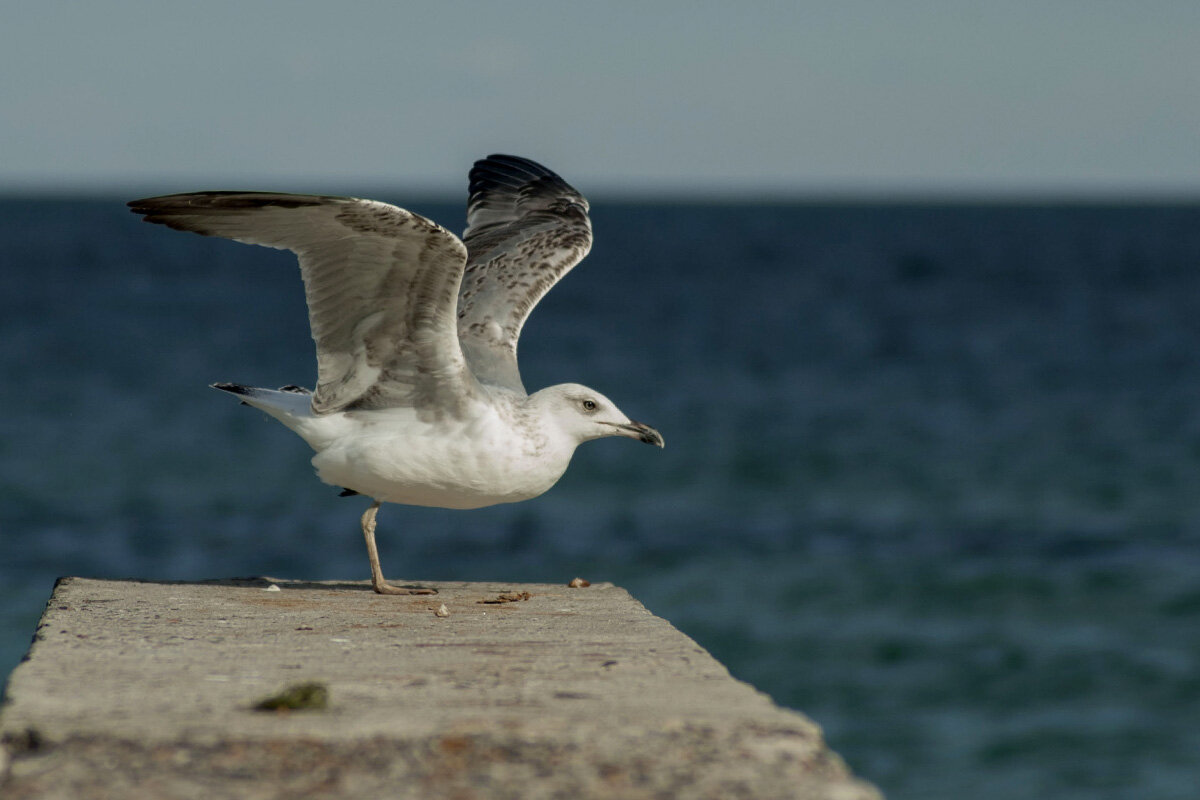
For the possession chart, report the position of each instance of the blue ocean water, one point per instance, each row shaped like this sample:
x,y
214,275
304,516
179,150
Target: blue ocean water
x,y
931,473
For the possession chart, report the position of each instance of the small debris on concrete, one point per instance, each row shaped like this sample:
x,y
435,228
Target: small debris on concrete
x,y
442,611
507,597
298,697
273,588
579,583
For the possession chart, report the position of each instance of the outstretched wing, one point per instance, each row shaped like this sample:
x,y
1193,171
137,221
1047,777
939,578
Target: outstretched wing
x,y
526,227
381,284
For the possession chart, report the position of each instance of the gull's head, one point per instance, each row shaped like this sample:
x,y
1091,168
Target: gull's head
x,y
584,414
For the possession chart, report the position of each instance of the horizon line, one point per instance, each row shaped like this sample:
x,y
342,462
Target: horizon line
x,y
857,193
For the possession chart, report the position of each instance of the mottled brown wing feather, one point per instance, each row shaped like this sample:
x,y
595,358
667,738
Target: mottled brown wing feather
x,y
381,285
526,228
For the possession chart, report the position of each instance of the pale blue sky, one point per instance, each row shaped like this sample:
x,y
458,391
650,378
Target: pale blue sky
x,y
974,96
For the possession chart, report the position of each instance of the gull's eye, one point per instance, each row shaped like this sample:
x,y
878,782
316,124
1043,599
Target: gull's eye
x,y
589,405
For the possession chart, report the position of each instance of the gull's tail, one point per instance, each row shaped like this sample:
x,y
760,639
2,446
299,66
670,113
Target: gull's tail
x,y
284,404
292,405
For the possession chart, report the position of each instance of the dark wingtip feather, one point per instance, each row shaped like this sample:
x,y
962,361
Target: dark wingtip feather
x,y
512,165
218,202
499,172
502,183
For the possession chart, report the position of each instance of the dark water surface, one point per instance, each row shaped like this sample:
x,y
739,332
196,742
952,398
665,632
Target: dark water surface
x,y
932,472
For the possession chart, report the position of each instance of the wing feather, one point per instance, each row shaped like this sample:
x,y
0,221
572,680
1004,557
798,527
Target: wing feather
x,y
526,228
381,284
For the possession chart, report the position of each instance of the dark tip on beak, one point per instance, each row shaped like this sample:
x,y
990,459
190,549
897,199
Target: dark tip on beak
x,y
645,433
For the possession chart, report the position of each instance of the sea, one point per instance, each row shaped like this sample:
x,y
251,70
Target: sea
x,y
931,476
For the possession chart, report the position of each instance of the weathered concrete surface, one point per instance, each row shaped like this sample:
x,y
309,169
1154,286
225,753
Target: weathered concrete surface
x,y
145,690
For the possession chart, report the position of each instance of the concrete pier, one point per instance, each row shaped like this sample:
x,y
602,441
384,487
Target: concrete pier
x,y
149,690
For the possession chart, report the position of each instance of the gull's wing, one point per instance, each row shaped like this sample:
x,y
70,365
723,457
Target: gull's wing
x,y
526,227
381,284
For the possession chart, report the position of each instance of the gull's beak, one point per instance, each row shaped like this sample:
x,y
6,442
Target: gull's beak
x,y
641,432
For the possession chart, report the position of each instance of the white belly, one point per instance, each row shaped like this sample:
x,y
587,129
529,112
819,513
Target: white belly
x,y
398,459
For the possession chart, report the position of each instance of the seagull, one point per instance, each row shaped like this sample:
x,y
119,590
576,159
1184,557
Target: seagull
x,y
418,399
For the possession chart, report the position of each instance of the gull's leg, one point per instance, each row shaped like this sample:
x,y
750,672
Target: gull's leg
x,y
377,582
